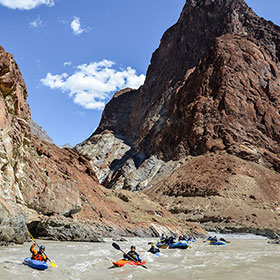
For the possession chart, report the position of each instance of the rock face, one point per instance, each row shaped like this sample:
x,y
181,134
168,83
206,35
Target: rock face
x,y
212,87
12,223
55,191
14,140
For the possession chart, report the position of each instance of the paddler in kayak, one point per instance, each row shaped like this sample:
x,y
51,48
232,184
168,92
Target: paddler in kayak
x,y
132,255
38,255
153,249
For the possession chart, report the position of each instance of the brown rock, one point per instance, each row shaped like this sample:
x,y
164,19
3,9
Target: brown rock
x,y
221,191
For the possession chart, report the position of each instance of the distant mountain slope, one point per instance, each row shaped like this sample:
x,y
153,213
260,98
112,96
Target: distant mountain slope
x,y
39,132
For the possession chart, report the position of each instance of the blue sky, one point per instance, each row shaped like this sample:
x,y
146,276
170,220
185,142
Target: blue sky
x,y
74,54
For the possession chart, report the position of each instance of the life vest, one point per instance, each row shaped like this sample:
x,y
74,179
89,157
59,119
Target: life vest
x,y
153,250
37,257
134,255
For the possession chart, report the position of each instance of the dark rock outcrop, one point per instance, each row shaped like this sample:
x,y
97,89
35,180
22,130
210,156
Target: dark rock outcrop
x,y
212,87
12,223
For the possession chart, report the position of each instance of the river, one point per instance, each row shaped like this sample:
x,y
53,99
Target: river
x,y
245,258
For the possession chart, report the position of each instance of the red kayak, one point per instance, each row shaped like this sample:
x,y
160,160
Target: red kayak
x,y
120,263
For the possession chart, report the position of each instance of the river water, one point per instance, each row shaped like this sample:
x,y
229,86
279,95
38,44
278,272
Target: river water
x,y
246,257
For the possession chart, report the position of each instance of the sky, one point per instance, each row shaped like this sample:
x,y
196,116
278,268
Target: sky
x,y
74,54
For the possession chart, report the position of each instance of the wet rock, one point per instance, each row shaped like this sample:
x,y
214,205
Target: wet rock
x,y
63,229
120,239
12,223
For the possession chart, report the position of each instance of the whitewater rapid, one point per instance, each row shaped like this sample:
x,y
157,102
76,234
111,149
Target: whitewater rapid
x,y
245,258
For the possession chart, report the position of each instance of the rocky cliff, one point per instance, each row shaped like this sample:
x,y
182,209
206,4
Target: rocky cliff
x,y
55,191
212,88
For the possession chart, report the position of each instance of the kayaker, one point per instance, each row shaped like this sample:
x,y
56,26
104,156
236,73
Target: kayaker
x,y
171,240
153,249
132,255
38,255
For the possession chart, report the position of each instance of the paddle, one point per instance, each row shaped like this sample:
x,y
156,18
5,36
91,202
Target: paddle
x,y
116,246
52,264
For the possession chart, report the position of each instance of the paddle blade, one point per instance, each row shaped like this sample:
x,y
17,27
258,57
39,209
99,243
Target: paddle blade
x,y
144,266
52,264
116,246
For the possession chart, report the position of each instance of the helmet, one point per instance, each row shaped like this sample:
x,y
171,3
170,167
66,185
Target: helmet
x,y
133,247
42,248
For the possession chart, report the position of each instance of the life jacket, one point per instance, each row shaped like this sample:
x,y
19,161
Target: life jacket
x,y
132,254
37,257
153,250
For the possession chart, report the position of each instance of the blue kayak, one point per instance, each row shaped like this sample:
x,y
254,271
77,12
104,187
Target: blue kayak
x,y
179,245
161,245
218,243
35,264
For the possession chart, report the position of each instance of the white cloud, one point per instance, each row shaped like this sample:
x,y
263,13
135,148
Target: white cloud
x,y
77,28
37,23
25,4
67,63
91,84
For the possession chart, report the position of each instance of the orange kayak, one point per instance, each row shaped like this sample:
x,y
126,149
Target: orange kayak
x,y
120,263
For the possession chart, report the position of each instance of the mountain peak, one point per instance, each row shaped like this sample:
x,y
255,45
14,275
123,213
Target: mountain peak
x,y
199,3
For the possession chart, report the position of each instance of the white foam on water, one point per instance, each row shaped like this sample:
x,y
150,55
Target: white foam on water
x,y
84,266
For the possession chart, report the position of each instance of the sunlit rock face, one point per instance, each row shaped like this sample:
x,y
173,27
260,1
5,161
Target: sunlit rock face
x,y
14,127
213,86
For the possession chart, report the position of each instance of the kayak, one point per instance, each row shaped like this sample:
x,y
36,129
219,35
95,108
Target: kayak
x,y
179,245
35,264
218,243
120,263
161,245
